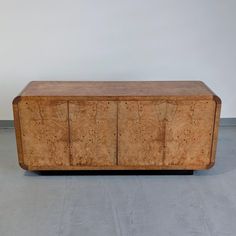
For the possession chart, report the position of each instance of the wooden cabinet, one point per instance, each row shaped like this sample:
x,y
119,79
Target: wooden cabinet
x,y
116,125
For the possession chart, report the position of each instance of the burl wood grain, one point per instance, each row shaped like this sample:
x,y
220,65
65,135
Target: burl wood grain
x,y
165,133
116,125
44,132
111,90
140,133
93,132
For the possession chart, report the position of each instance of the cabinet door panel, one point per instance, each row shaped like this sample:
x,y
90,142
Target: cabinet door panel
x,y
44,131
165,133
189,134
140,135
93,132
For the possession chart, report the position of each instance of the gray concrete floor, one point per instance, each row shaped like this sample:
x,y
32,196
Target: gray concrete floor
x,y
203,204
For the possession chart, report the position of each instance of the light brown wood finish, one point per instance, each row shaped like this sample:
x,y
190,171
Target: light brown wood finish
x,y
44,133
116,125
141,133
165,133
115,90
93,131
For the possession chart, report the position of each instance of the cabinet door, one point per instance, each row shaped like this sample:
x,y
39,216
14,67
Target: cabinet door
x,y
44,133
189,134
141,134
165,133
93,132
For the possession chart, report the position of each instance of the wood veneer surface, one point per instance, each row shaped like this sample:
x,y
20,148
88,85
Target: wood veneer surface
x,y
165,133
117,88
116,125
44,133
93,132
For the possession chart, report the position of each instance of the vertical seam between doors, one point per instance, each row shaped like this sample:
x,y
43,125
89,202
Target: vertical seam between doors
x,y
69,132
117,133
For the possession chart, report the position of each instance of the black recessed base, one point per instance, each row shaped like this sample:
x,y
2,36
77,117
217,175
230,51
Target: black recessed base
x,y
117,172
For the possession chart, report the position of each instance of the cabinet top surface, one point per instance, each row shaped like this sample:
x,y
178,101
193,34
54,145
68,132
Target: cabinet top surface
x,y
118,89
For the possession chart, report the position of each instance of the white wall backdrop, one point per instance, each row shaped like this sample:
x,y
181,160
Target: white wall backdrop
x,y
118,40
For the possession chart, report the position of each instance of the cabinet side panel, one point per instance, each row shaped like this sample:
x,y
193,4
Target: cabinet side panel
x,y
44,132
18,133
216,130
93,132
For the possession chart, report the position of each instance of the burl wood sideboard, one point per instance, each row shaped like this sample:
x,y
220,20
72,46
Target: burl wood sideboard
x,y
116,125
